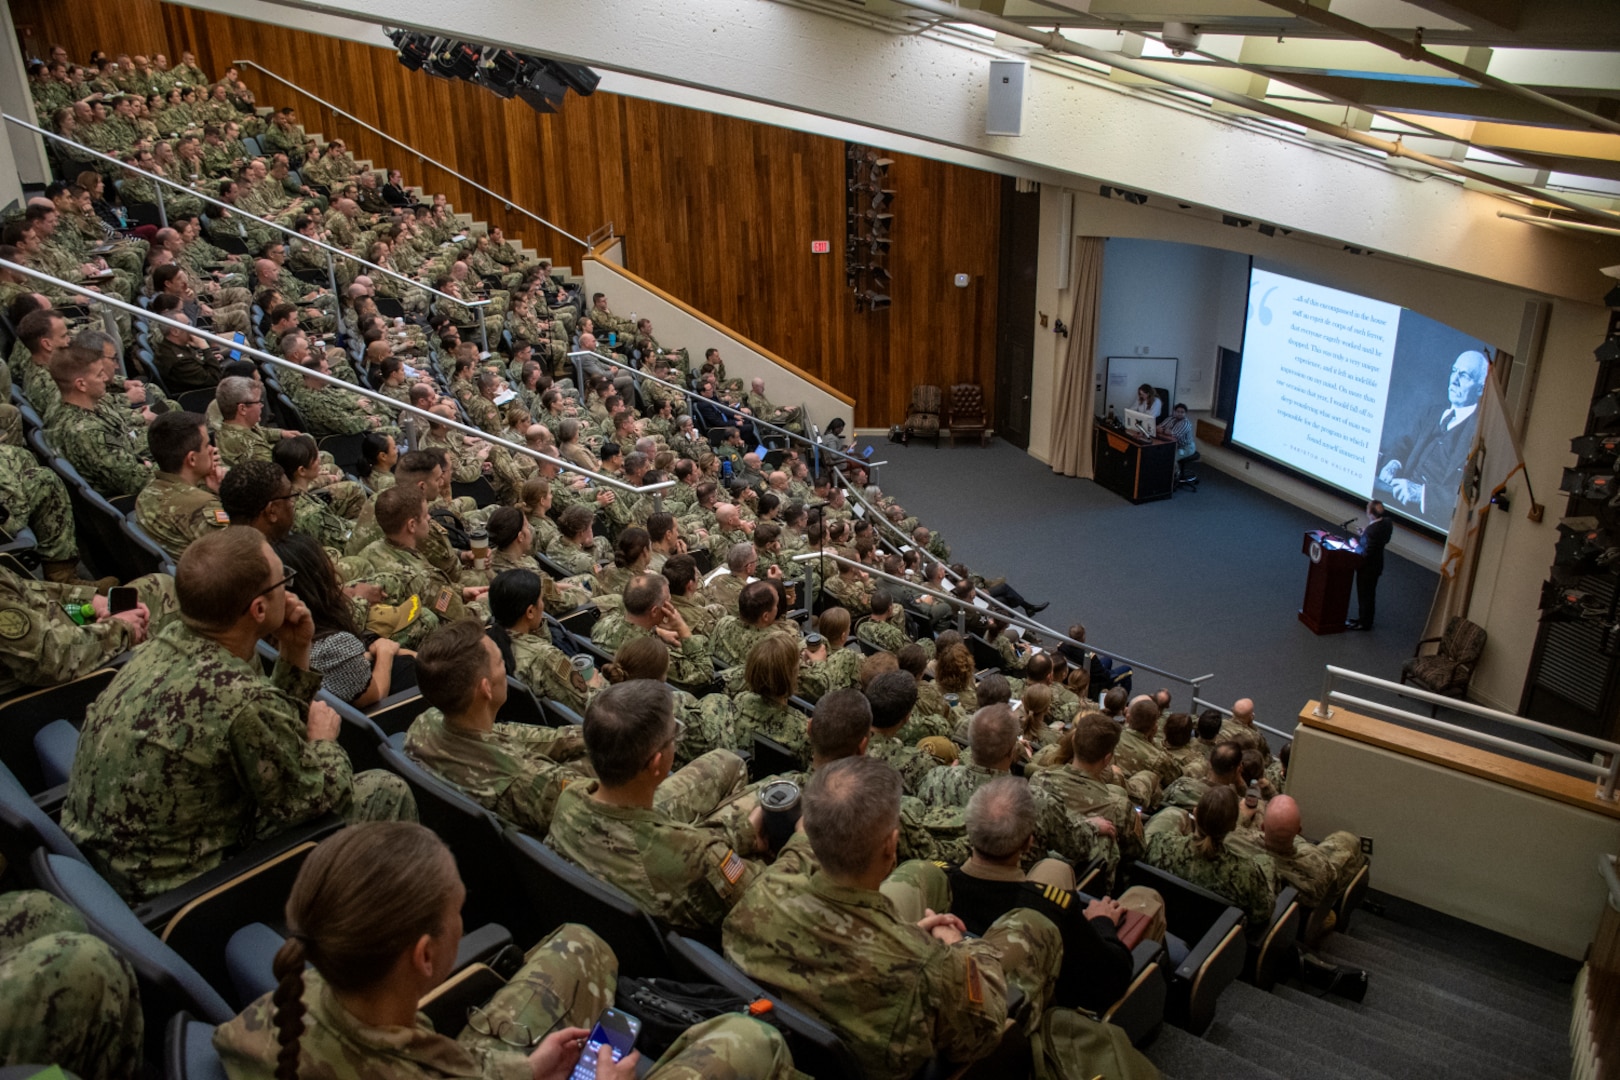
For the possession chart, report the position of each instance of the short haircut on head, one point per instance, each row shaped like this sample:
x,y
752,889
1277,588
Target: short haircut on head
x,y
834,623
248,489
893,695
881,602
1210,722
680,571
233,391
842,718
1178,729
1226,759
850,809
643,592
1113,702
1095,736
1038,667
449,664
992,734
398,507
174,435
740,555
993,690
625,725
415,466
1142,715
1000,817
219,575
756,598
72,363
913,658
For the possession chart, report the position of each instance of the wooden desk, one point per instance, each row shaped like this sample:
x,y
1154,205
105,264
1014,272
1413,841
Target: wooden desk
x,y
1126,465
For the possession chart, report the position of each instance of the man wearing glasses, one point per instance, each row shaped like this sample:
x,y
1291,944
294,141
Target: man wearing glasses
x,y
191,753
684,846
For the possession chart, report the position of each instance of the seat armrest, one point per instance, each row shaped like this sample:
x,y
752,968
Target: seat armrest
x,y
156,913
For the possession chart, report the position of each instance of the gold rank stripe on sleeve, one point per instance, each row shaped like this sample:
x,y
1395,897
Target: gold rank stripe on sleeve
x,y
732,866
1060,897
975,984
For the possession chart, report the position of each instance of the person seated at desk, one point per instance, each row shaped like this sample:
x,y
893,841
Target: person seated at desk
x,y
1180,428
1147,400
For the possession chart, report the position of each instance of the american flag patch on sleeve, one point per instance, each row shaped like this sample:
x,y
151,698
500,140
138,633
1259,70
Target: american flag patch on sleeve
x,y
732,867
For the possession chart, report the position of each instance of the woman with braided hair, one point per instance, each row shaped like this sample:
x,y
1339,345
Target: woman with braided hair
x,y
376,913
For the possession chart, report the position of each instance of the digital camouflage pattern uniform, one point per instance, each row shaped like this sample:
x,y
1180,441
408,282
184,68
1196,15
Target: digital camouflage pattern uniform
x,y
566,981
732,639
402,573
1074,838
110,455
191,753
690,668
1192,759
65,997
899,995
912,763
546,670
687,860
757,715
1231,874
516,770
34,497
840,671
174,513
889,636
1319,871
41,646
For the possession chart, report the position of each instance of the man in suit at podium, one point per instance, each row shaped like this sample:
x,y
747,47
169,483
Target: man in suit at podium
x,y
1374,538
1423,470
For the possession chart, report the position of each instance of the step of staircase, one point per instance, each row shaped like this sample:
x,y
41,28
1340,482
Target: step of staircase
x,y
1181,1056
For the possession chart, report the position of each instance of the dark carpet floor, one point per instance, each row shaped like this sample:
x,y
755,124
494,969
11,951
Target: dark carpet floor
x,y
1206,582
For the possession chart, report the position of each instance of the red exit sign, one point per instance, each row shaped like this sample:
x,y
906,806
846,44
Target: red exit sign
x,y
820,247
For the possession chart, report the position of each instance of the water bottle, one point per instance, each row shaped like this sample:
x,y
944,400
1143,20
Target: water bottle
x,y
81,614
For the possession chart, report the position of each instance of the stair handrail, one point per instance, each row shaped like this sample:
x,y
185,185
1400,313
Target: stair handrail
x,y
420,155
365,392
330,249
1016,620
578,357
1607,775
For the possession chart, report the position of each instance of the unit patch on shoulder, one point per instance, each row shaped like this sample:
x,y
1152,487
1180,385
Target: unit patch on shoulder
x,y
13,623
732,867
221,517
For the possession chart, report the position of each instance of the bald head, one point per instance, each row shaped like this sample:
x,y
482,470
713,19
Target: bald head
x,y
587,342
1243,711
726,514
1281,824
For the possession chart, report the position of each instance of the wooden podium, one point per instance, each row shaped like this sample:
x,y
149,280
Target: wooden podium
x,y
1139,469
1327,583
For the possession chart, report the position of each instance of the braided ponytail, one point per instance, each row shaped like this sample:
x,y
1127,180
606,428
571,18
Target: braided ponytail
x,y
288,1000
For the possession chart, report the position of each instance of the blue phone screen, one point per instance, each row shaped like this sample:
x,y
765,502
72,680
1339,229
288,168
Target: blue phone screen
x,y
621,1041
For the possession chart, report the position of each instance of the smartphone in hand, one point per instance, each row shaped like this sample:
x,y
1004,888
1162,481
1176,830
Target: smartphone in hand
x,y
613,1028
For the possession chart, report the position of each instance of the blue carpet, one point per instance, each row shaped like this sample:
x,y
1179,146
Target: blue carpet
x,y
1201,583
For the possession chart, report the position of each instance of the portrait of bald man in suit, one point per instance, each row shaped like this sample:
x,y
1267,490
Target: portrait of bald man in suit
x,y
1422,470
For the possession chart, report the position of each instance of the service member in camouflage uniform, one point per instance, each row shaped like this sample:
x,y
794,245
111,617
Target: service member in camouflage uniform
x,y
192,752
108,448
65,997
41,645
683,846
648,611
397,566
391,892
34,497
1136,752
177,505
1083,787
1193,848
518,612
734,636
792,929
514,770
1319,871
885,627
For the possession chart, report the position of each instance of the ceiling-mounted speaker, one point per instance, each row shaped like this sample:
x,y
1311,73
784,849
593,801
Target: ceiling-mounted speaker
x,y
1008,80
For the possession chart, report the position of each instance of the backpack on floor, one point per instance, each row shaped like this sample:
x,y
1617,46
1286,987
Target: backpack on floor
x,y
1069,1045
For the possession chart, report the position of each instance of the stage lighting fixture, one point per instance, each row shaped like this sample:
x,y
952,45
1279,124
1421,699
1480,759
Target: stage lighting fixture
x,y
454,59
883,200
1559,604
578,78
880,276
542,90
1609,351
1611,299
1582,548
1591,449
414,49
875,301
1235,222
499,71
1268,230
879,245
1606,407
1589,484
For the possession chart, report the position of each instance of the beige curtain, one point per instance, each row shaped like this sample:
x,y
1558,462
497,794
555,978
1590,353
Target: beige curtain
x,y
1074,409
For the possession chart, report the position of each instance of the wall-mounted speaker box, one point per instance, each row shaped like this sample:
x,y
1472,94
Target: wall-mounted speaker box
x,y
1008,79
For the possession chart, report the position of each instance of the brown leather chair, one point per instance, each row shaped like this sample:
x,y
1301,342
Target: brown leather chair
x,y
967,413
922,417
1447,669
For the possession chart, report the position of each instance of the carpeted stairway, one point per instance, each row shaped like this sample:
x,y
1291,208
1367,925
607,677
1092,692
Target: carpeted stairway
x,y
1445,1000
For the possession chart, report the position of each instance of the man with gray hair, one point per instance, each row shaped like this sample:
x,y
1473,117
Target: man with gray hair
x,y
1001,817
725,585
792,929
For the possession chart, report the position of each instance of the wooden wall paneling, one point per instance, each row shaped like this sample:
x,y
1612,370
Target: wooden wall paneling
x,y
717,210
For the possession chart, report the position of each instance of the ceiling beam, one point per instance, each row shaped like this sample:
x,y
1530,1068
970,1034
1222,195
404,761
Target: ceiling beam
x,y
1492,14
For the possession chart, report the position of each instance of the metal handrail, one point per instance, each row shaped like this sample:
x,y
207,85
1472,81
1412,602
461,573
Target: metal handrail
x,y
1015,620
1608,776
578,355
264,357
332,251
420,156
1224,711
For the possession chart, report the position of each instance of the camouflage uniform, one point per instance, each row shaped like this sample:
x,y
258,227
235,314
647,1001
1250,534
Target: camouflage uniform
x,y
756,715
1136,753
702,617
515,770
34,497
890,636
1192,759
732,639
690,668
1186,791
913,764
1081,796
174,513
191,753
1319,871
110,456
723,590
903,997
545,670
685,861
402,574
65,997
41,646
1236,877
840,671
855,596
313,517
566,981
